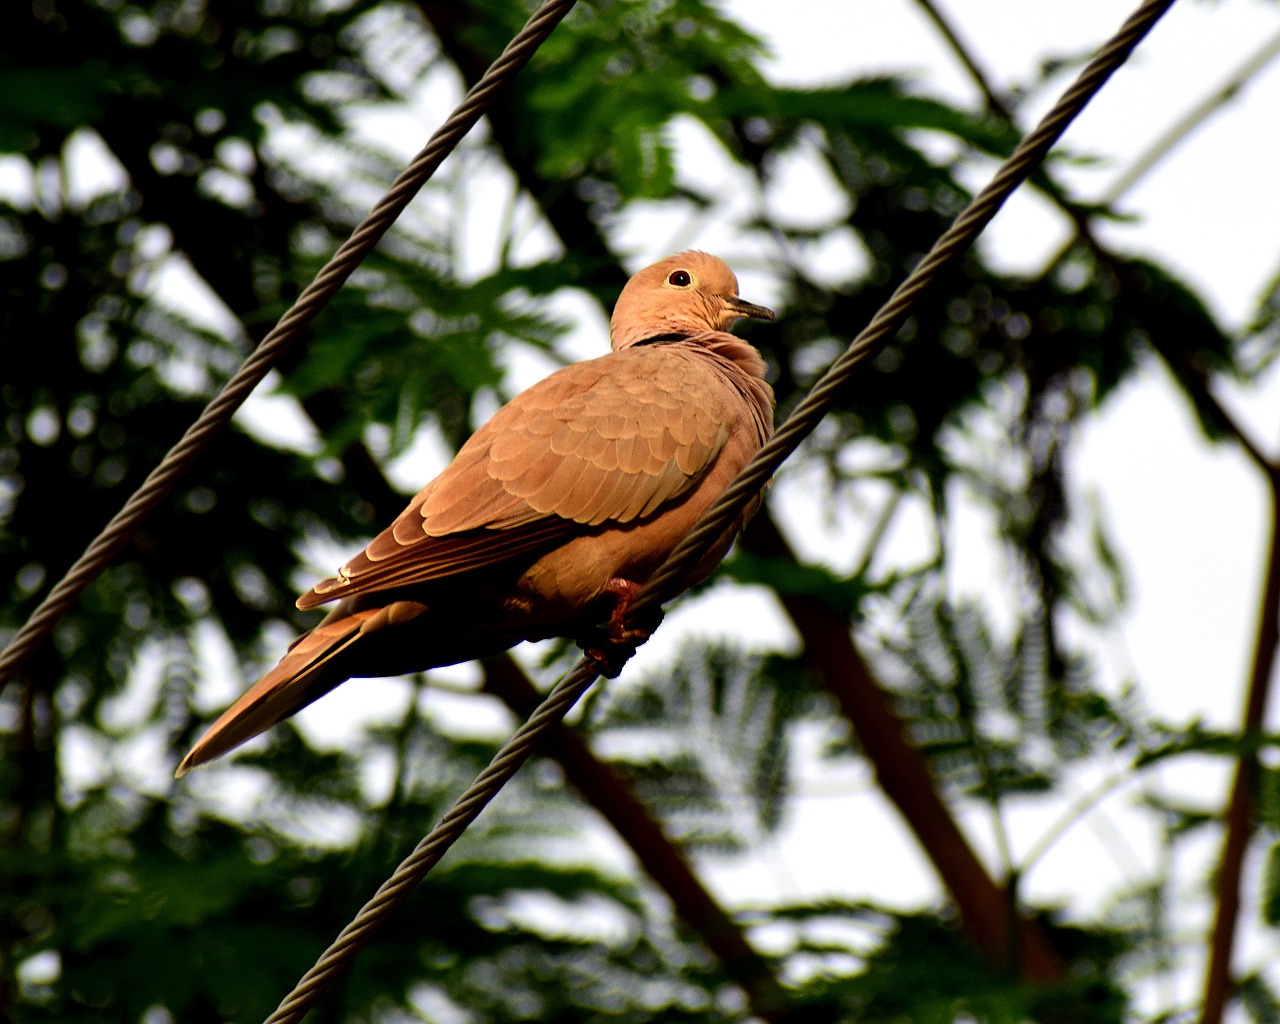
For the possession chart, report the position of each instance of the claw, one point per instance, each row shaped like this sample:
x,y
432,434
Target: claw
x,y
611,644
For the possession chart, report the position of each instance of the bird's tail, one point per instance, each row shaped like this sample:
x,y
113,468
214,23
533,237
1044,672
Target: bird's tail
x,y
306,673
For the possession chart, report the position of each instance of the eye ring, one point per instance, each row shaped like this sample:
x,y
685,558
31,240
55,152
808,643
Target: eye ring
x,y
680,279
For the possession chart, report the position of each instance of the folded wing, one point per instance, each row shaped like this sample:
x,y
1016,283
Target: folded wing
x,y
606,441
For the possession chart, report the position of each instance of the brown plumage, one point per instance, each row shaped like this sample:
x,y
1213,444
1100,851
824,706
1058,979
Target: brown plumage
x,y
553,514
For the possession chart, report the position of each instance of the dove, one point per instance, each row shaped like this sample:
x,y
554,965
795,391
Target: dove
x,y
553,514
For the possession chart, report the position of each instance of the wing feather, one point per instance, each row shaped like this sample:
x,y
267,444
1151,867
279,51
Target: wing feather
x,y
609,440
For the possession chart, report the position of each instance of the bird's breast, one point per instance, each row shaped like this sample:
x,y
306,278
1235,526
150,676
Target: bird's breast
x,y
573,576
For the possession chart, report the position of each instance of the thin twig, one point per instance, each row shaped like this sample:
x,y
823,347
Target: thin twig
x,y
995,102
1176,133
878,529
1072,816
1194,380
1146,162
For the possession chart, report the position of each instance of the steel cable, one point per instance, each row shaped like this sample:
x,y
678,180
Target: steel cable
x,y
1024,159
436,844
312,300
723,514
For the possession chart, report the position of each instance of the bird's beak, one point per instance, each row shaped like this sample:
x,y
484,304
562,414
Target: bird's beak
x,y
740,307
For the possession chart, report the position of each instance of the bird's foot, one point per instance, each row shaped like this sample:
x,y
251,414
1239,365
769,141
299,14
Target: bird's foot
x,y
611,644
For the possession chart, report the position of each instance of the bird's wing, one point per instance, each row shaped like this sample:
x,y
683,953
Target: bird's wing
x,y
605,441
305,674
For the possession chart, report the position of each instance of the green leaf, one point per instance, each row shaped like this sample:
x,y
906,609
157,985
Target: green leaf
x,y
1195,739
871,106
1270,908
32,99
1258,998
842,595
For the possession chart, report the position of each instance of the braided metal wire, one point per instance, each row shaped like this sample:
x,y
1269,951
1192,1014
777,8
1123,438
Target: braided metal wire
x,y
312,300
1028,155
724,513
435,845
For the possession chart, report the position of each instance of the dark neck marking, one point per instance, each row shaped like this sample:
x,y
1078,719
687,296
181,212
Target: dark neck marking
x,y
658,339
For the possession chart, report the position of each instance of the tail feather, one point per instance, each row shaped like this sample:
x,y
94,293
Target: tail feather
x,y
303,675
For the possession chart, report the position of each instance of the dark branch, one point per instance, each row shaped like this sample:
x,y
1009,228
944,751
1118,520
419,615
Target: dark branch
x,y
604,790
1003,936
995,102
1240,810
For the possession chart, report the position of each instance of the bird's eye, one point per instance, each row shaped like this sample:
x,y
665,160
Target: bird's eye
x,y
680,278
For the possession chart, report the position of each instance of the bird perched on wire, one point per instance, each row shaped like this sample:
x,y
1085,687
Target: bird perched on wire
x,y
553,515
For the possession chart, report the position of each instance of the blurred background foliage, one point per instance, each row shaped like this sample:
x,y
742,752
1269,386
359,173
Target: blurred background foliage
x,y
189,166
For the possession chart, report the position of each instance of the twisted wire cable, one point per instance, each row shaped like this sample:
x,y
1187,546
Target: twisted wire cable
x,y
312,300
724,513
435,845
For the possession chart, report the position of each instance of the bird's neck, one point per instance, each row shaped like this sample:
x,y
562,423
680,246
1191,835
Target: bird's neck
x,y
723,344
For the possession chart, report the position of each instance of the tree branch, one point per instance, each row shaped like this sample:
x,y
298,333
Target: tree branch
x,y
1239,819
1240,810
995,102
998,932
1174,135
606,791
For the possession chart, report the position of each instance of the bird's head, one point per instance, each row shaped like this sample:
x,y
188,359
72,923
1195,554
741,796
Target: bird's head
x,y
688,293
